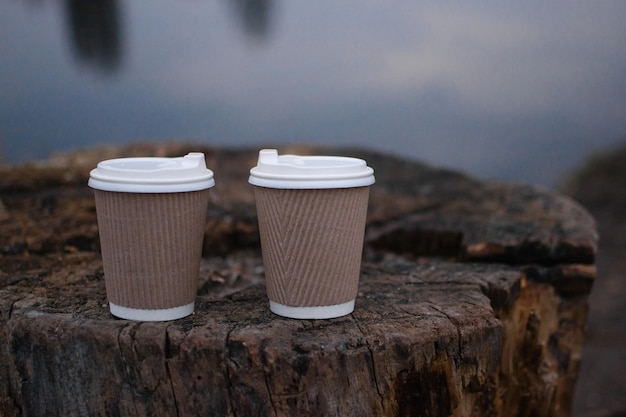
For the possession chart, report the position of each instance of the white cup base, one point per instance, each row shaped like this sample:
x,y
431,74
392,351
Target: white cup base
x,y
315,312
139,314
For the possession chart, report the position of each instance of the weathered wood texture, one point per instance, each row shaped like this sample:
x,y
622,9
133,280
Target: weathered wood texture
x,y
472,302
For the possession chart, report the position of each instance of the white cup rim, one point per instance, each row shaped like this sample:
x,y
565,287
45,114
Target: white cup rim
x,y
309,172
152,174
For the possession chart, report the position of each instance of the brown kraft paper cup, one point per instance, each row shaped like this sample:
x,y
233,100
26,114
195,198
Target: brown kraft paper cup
x,y
312,242
151,246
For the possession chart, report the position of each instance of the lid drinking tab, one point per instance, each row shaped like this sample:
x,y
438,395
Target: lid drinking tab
x,y
309,172
153,175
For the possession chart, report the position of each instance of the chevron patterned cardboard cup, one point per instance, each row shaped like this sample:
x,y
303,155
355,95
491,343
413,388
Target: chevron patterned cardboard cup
x,y
312,212
151,219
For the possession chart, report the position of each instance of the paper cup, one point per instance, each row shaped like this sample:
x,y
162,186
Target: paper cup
x,y
151,218
312,213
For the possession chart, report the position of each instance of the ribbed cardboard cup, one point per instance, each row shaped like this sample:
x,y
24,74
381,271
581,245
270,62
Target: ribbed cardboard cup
x,y
151,251
311,213
312,242
151,219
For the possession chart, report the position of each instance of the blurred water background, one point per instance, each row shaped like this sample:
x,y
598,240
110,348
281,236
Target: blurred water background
x,y
517,91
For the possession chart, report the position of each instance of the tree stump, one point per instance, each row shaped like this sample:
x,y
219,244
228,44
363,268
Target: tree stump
x,y
472,301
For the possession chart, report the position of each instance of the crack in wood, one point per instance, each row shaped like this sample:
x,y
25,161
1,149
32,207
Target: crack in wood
x,y
373,361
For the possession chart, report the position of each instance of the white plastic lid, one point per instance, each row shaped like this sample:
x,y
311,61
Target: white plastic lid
x,y
153,175
309,172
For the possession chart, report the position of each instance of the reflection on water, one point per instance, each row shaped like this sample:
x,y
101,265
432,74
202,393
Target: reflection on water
x,y
96,30
255,16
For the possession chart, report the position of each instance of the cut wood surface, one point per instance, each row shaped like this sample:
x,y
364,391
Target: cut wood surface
x,y
472,301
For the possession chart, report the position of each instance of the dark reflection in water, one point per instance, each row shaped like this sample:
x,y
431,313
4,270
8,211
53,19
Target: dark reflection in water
x,y
255,16
95,28
95,31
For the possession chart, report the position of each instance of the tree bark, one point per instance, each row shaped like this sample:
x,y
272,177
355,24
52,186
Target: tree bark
x,y
472,301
